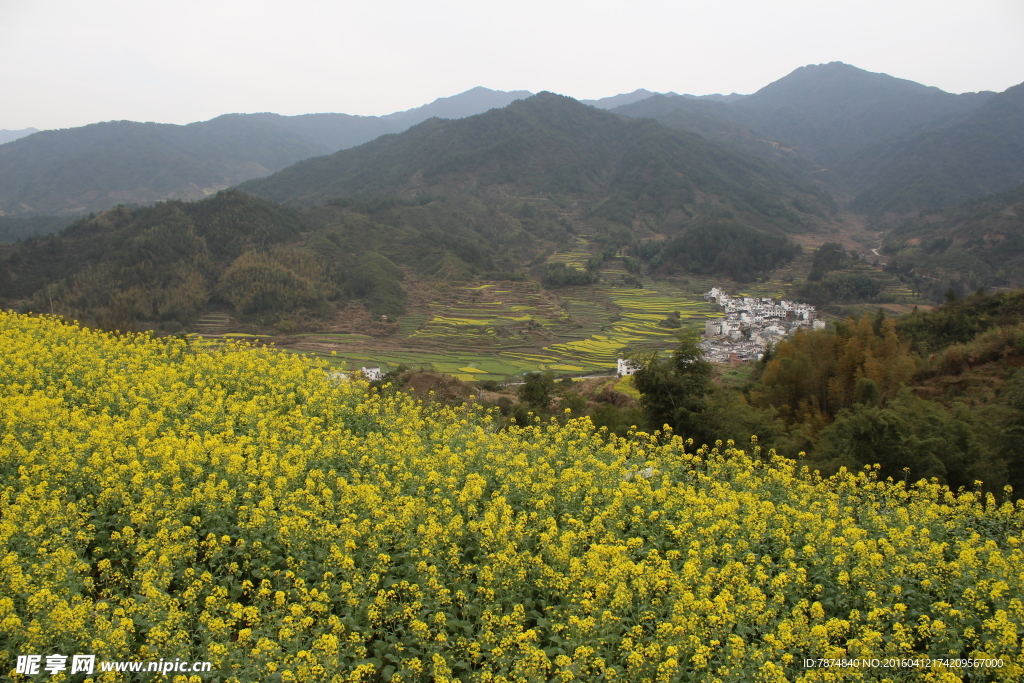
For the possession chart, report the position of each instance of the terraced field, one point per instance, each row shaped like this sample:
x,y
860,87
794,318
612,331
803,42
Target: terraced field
x,y
576,257
496,330
634,324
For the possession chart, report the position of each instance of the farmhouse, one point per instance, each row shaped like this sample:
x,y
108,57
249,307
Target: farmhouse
x,y
627,367
372,373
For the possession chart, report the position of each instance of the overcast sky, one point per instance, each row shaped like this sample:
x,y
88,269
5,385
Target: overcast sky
x,y
68,63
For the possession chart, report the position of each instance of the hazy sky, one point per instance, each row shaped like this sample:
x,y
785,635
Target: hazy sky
x,y
68,63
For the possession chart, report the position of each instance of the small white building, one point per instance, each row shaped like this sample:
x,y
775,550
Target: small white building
x,y
715,295
627,367
372,373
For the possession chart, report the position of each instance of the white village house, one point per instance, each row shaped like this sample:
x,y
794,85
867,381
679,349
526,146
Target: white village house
x,y
372,373
627,367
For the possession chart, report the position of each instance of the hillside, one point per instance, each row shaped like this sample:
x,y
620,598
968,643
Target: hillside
x,y
720,120
620,170
96,167
978,153
165,266
979,243
829,111
333,132
890,145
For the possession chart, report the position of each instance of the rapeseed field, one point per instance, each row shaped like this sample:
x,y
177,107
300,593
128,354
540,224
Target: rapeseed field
x,y
236,505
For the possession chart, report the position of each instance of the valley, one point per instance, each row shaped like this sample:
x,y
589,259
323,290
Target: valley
x,y
518,387
499,329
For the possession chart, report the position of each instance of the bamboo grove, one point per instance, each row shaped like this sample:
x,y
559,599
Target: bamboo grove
x,y
239,505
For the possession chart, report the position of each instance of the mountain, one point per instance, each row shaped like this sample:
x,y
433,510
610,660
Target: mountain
x,y
333,132
164,266
978,243
710,118
978,153
641,95
620,100
718,97
95,167
469,103
829,111
488,196
98,166
618,169
717,119
888,144
12,135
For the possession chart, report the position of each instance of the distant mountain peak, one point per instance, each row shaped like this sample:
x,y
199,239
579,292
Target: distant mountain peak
x,y
828,111
12,135
104,164
469,103
621,99
839,78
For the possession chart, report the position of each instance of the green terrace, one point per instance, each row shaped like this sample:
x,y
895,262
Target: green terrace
x,y
492,333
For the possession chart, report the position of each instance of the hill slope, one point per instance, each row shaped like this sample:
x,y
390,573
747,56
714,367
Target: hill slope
x,y
978,153
98,166
621,170
828,111
719,120
979,243
166,265
95,167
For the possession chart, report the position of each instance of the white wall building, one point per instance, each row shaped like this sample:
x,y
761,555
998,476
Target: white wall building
x,y
627,367
372,373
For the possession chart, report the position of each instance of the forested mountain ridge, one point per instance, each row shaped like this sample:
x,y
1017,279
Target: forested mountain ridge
x,y
549,144
622,99
826,123
164,266
98,166
95,167
486,196
886,143
978,153
979,243
718,119
824,112
828,111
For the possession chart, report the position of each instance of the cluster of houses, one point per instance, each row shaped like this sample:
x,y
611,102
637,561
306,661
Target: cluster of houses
x,y
750,325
